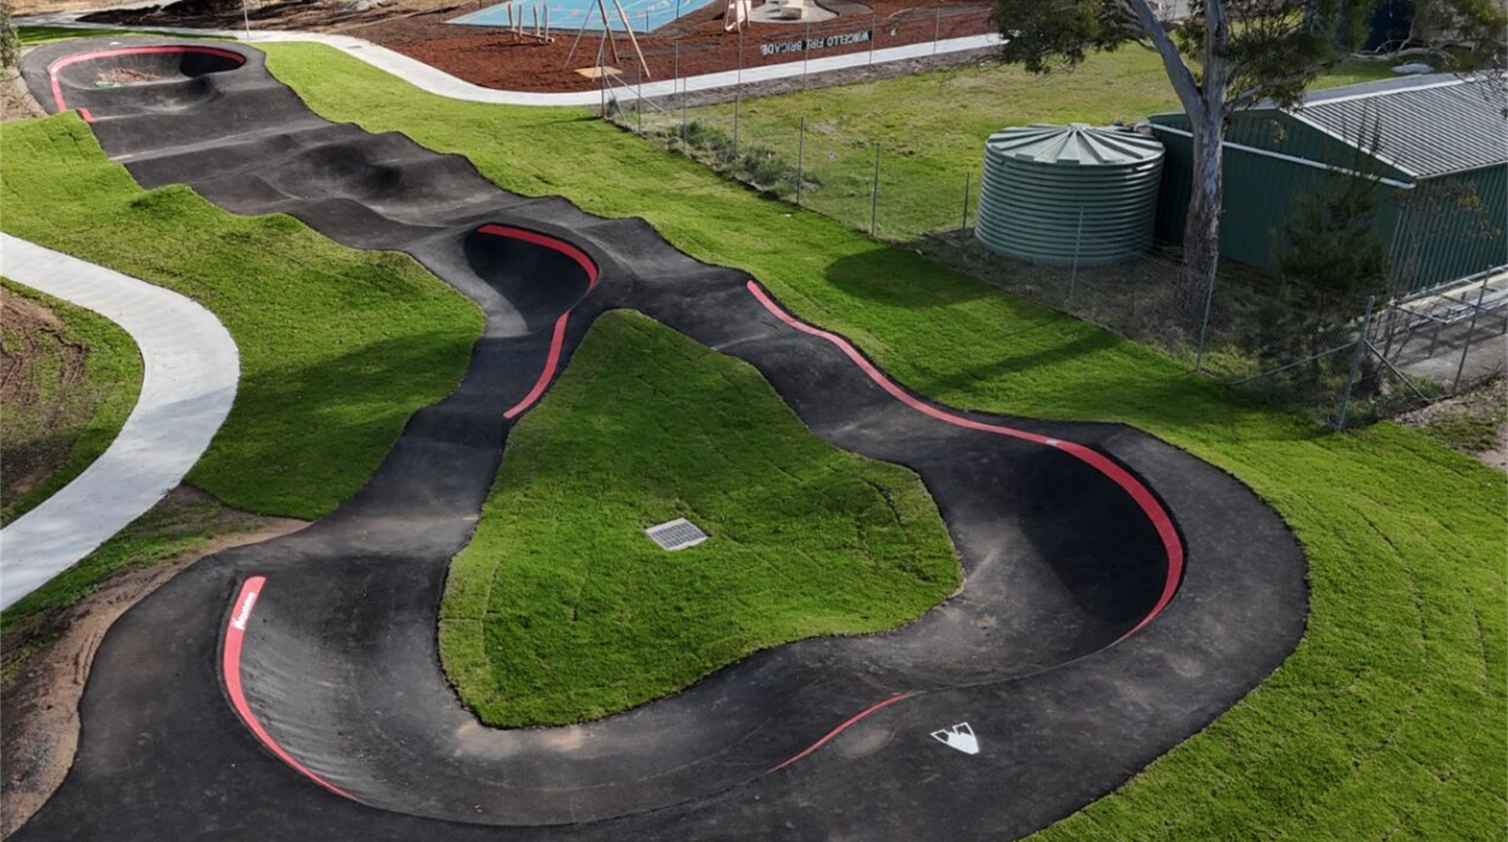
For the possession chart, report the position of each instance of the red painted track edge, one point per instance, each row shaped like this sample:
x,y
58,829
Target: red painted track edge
x,y
846,724
1144,498
230,667
57,88
557,338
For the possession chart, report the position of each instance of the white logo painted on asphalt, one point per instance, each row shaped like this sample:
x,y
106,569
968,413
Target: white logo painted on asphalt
x,y
239,623
960,736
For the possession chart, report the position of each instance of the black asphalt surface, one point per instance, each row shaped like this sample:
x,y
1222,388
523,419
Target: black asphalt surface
x,y
340,663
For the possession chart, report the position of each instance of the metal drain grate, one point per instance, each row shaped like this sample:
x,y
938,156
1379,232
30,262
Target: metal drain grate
x,y
677,534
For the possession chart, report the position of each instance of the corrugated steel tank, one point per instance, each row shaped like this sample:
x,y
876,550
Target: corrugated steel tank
x,y
1038,180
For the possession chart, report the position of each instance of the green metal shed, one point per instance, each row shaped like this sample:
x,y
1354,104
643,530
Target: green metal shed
x,y
1437,144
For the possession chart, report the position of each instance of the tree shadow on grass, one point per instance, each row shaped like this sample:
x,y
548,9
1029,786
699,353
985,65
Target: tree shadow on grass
x,y
302,438
1049,364
887,275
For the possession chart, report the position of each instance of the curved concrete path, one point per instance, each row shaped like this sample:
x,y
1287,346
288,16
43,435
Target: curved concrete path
x,y
438,82
190,367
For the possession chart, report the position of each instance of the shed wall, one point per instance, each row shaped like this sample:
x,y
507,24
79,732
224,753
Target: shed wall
x,y
1436,242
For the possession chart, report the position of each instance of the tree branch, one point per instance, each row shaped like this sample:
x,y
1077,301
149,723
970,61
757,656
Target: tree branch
x,y
1256,94
1178,72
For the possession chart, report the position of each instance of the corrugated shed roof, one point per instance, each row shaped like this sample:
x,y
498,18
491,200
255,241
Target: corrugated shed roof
x,y
1425,125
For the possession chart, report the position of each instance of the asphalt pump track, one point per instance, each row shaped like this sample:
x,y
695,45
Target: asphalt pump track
x,y
1119,593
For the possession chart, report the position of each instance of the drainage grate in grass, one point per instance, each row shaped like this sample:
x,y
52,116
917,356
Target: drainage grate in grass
x,y
677,534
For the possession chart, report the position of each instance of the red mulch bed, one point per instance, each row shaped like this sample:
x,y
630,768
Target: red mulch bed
x,y
496,59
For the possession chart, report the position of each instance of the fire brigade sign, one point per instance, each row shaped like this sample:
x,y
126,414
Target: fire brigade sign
x,y
810,44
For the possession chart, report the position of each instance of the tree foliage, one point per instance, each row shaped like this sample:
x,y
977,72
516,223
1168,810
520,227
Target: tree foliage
x,y
1331,257
1268,49
10,42
1330,246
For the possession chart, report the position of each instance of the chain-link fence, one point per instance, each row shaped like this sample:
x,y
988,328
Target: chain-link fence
x,y
1341,362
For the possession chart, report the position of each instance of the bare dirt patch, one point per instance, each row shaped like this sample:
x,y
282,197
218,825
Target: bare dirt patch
x,y
40,372
124,76
1474,422
22,8
16,101
47,661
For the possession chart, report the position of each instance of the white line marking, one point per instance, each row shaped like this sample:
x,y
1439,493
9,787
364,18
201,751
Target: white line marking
x,y
960,736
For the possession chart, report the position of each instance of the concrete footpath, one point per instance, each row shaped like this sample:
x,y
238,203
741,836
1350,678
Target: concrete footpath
x,y
190,369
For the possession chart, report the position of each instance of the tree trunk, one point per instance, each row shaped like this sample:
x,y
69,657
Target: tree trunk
x,y
1201,232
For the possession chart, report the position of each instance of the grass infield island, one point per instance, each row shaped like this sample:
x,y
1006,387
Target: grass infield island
x,y
1391,719
561,609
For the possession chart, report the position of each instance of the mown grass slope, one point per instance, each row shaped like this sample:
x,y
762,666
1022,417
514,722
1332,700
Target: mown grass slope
x,y
1391,719
561,609
338,347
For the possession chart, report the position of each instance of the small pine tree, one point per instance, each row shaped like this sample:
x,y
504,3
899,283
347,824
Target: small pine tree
x,y
1332,254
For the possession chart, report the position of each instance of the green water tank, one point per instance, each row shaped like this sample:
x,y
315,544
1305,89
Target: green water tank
x,y
1048,191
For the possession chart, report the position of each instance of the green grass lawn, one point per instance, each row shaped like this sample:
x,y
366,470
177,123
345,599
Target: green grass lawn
x,y
71,379
561,609
33,36
338,347
1391,719
931,128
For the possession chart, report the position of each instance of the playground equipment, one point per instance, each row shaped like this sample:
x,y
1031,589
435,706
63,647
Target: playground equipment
x,y
736,14
536,29
609,43
788,9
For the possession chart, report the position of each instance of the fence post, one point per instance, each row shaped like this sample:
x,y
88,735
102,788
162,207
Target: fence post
x,y
678,84
1455,386
738,92
1361,350
1204,326
246,19
963,220
874,35
800,158
936,28
806,49
639,100
1073,276
874,192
